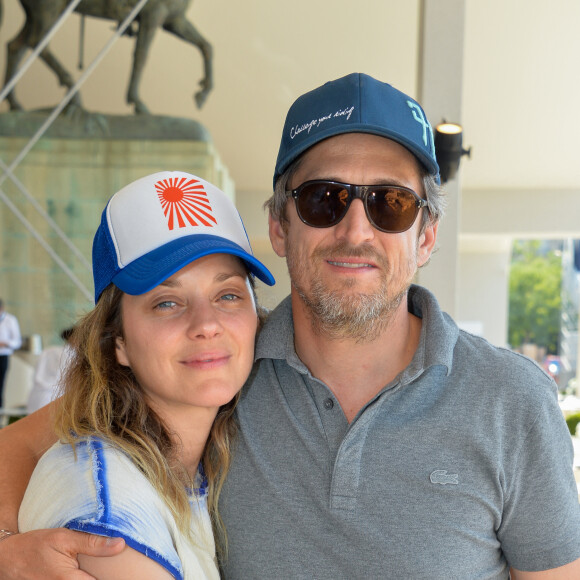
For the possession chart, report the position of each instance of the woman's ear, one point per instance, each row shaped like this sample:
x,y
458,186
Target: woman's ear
x,y
121,352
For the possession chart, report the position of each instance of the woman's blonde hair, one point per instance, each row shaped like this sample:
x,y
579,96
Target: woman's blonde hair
x,y
103,398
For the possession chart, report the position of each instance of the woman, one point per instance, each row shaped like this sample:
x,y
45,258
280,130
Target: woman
x,y
145,422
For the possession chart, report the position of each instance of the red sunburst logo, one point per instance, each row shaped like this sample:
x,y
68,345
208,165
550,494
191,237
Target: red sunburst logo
x,y
184,202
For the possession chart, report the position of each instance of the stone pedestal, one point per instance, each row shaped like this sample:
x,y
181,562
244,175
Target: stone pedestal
x,y
72,178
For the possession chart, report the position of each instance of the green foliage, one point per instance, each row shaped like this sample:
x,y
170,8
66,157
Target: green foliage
x,y
534,296
572,422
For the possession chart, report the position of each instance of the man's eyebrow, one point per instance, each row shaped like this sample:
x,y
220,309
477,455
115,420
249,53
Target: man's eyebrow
x,y
395,181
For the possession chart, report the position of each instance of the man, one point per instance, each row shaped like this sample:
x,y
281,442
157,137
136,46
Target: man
x,y
10,341
377,440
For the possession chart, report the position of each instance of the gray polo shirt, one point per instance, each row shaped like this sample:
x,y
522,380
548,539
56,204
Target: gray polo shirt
x,y
459,468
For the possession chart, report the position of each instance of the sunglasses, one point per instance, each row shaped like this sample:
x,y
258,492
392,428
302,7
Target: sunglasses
x,y
389,208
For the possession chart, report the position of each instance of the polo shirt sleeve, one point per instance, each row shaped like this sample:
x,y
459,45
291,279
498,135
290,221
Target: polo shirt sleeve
x,y
100,492
540,527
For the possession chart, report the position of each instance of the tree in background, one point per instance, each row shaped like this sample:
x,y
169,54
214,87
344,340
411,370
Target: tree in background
x,y
534,294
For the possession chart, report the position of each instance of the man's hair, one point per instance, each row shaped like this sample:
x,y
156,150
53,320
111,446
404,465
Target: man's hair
x,y
433,193
103,398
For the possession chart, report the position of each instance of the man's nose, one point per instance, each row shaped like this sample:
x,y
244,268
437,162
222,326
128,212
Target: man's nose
x,y
355,226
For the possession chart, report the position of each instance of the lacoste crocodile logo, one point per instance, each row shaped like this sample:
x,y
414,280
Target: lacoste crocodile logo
x,y
441,476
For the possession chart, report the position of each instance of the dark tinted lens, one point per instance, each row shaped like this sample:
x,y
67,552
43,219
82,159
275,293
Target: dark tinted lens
x,y
392,209
322,204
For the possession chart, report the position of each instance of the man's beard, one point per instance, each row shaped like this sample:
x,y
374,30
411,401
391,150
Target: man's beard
x,y
343,314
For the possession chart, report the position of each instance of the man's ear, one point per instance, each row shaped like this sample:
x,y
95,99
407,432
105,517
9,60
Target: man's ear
x,y
121,352
277,236
427,243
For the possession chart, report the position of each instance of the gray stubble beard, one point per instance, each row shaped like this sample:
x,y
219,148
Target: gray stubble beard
x,y
361,317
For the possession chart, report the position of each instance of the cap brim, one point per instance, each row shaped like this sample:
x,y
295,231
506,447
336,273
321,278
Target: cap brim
x,y
153,268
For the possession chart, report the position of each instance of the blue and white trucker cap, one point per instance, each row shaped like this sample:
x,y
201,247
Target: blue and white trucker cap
x,y
156,225
356,103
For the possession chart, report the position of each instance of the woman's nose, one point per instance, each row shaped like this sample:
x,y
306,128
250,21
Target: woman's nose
x,y
204,321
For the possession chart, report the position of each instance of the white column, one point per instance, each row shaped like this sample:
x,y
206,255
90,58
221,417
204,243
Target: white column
x,y
440,85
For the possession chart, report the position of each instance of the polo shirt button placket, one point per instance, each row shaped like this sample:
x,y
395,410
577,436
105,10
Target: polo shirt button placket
x,y
328,404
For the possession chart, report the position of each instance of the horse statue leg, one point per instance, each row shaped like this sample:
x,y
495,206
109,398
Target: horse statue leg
x,y
182,28
64,78
149,21
16,49
36,26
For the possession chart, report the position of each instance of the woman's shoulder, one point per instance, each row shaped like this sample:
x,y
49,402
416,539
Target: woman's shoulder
x,y
94,487
92,456
93,481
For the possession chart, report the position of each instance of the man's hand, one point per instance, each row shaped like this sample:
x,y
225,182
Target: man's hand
x,y
52,554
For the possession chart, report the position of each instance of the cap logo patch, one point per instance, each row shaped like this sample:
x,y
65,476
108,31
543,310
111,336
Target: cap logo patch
x,y
184,202
427,131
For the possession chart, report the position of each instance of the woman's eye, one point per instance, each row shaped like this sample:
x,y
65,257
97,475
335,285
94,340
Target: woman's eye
x,y
229,297
165,305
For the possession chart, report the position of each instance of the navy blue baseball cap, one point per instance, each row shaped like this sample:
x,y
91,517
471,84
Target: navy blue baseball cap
x,y
356,103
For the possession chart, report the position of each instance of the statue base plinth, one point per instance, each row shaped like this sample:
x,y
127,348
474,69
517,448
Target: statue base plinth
x,y
82,124
72,174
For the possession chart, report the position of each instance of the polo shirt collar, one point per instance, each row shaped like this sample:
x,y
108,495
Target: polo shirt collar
x,y
439,335
276,340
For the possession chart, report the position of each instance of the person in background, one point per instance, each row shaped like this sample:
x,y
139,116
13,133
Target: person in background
x,y
145,423
46,382
376,438
10,340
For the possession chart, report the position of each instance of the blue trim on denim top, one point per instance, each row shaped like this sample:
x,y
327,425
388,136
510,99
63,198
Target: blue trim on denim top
x,y
104,523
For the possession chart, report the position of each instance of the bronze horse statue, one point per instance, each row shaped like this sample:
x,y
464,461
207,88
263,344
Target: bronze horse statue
x,y
168,14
